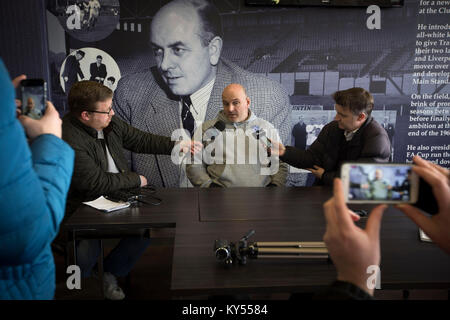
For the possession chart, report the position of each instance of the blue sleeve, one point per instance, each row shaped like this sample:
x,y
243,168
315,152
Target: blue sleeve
x,y
53,163
33,184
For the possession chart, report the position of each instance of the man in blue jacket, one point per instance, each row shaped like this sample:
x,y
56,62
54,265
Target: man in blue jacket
x,y
34,181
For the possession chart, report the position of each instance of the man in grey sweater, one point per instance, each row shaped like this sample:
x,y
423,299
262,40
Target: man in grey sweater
x,y
235,152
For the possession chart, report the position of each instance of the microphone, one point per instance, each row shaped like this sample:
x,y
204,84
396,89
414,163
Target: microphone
x,y
260,135
220,125
214,131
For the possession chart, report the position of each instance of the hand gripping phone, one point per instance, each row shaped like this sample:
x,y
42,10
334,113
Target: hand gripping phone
x,y
34,97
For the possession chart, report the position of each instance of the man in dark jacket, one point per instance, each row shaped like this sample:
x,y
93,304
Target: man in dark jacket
x,y
72,69
98,70
299,134
353,136
98,137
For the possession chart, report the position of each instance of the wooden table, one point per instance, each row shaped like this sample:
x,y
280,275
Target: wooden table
x,y
201,216
289,214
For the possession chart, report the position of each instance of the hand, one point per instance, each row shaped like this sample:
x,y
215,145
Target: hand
x,y
438,226
317,171
50,123
143,181
191,146
16,82
277,149
351,248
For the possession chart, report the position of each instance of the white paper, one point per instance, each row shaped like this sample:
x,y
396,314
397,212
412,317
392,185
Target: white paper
x,y
104,204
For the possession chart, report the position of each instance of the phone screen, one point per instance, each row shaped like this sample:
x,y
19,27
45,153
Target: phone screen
x,y
381,183
34,96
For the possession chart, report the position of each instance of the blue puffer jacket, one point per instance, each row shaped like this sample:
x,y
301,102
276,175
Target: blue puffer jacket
x,y
33,186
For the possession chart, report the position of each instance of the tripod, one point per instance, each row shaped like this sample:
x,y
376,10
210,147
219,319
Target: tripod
x,y
229,252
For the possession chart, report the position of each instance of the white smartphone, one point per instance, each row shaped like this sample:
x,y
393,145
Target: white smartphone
x,y
379,183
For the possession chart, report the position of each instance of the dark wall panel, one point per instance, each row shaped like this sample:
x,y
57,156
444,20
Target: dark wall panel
x,y
23,37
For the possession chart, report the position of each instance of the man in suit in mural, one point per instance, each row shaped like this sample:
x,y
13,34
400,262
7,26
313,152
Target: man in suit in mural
x,y
389,127
72,69
299,133
98,70
185,86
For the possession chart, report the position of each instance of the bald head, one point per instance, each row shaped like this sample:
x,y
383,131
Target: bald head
x,y
186,53
378,174
207,18
235,103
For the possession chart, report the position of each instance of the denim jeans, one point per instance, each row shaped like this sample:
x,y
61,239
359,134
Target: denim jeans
x,y
119,262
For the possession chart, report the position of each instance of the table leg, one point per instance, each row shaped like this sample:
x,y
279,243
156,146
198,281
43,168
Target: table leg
x,y
74,247
100,268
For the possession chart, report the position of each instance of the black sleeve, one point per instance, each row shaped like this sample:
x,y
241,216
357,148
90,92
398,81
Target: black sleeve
x,y
341,290
307,158
139,141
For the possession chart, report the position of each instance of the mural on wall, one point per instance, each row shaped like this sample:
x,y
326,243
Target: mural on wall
x,y
89,64
86,20
302,54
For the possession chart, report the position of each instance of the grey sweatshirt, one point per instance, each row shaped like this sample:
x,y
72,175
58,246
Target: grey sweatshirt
x,y
235,158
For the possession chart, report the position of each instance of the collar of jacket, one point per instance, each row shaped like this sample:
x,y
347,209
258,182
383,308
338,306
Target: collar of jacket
x,y
357,137
91,131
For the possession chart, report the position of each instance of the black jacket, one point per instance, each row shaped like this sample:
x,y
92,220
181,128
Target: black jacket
x,y
341,290
71,70
97,71
90,179
369,144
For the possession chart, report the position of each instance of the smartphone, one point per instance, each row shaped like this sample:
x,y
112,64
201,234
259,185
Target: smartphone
x,y
379,183
34,97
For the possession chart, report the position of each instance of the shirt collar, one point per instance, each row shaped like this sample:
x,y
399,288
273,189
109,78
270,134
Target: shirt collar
x,y
200,98
350,134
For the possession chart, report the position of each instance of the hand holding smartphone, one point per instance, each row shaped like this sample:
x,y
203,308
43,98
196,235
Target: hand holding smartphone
x,y
34,97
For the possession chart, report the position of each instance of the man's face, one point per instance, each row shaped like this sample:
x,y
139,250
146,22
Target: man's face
x,y
30,103
300,120
181,58
100,121
235,103
78,56
347,120
99,61
378,174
